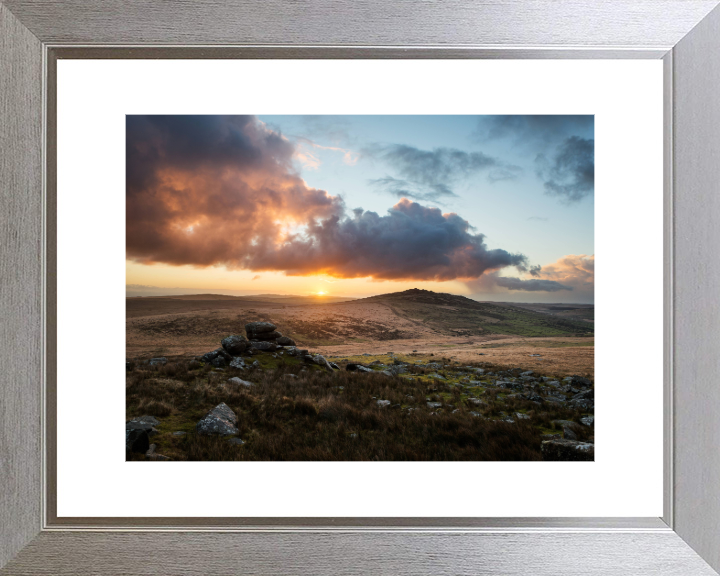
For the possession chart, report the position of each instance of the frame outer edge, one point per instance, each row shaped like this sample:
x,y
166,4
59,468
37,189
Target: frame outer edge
x,y
20,284
696,110
20,299
370,22
323,554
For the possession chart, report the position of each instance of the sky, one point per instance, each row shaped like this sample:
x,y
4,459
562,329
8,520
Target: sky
x,y
496,208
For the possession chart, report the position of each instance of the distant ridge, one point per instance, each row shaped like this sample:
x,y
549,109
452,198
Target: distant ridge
x,y
427,297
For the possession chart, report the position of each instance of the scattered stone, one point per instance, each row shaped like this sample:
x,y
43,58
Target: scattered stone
x,y
235,381
144,423
387,373
238,363
536,355
136,440
521,416
383,403
319,359
158,361
334,366
145,419
567,450
434,404
588,420
220,420
584,400
352,367
476,414
218,361
580,382
235,344
179,433
237,441
151,450
285,341
290,376
210,356
528,373
437,376
476,401
256,364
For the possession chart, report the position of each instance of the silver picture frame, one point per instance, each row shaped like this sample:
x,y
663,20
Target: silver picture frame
x,y
685,34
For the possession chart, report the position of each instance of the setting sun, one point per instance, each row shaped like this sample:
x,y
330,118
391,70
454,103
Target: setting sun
x,y
321,293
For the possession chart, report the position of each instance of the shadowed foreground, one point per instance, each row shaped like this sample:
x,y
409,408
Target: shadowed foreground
x,y
296,411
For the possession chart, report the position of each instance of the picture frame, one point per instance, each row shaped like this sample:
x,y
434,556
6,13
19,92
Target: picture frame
x,y
685,34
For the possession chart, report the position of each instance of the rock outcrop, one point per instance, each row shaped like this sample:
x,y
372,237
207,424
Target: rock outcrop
x,y
136,441
255,329
221,421
264,346
235,345
567,450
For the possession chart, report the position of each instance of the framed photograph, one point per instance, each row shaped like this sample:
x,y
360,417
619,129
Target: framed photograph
x,y
334,274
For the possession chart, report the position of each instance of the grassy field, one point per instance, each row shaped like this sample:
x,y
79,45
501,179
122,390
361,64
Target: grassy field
x,y
316,415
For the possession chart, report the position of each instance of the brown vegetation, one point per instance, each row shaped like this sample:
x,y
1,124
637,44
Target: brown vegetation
x,y
335,416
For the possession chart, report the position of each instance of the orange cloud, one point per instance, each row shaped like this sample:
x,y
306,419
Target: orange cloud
x,y
222,191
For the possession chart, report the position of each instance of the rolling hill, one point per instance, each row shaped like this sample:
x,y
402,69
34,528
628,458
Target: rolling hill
x,y
460,316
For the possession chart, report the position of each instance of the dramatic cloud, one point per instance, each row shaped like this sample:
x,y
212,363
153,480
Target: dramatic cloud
x,y
573,270
570,173
564,147
430,174
532,131
212,190
574,273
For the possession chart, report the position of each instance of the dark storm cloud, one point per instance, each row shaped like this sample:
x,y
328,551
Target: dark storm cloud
x,y
209,190
570,173
564,147
532,285
431,174
533,130
411,241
